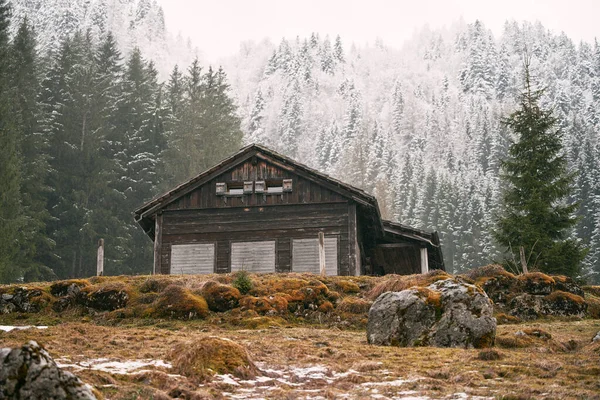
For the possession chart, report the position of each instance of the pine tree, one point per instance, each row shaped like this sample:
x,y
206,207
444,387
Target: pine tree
x,y
36,248
534,214
11,213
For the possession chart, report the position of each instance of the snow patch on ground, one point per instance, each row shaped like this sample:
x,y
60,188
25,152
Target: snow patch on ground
x,y
8,328
113,366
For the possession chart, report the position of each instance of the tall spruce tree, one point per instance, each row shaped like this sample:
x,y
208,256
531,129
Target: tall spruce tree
x,y
11,214
535,214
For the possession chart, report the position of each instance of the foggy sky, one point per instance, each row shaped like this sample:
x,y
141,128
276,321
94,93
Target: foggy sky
x,y
218,27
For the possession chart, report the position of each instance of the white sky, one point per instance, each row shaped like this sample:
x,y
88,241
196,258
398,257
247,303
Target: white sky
x,y
217,27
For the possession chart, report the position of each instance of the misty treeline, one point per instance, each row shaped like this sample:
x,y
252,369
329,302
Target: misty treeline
x,y
422,127
86,136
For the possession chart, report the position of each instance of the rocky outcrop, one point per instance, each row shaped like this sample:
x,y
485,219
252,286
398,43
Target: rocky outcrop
x,y
24,300
30,373
447,313
530,296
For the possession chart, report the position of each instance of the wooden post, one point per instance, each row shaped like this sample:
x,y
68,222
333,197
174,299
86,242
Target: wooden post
x,y
157,243
352,242
523,260
322,253
100,259
424,260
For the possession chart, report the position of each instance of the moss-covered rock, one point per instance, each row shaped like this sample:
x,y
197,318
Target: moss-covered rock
x,y
537,283
107,297
447,313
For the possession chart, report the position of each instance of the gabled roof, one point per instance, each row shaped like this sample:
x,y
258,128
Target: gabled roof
x,y
145,214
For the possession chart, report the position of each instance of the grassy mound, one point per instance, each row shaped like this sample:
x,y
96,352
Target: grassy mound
x,y
180,303
220,297
212,355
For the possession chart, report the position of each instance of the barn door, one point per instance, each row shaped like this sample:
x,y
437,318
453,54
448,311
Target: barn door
x,y
305,255
198,258
253,256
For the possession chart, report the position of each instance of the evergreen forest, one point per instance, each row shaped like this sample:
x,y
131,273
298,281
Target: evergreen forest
x,y
91,128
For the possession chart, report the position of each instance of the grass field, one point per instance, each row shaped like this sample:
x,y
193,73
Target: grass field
x,y
304,355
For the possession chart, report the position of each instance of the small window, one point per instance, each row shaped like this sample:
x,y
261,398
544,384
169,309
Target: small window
x,y
232,188
287,185
259,187
274,189
221,189
248,186
274,186
235,188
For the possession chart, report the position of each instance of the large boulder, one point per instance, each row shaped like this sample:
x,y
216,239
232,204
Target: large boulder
x,y
30,373
447,313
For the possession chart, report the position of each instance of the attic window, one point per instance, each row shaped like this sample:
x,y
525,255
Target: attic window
x,y
233,188
259,187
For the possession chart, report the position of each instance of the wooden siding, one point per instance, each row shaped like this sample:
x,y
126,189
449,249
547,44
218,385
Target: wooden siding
x,y
281,224
256,169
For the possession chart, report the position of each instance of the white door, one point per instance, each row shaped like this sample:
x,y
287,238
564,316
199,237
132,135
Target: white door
x,y
196,258
253,256
305,255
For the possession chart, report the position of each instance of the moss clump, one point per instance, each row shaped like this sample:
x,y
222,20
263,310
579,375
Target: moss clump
x,y
489,355
347,286
276,304
560,296
153,285
326,307
397,283
431,297
504,319
242,282
202,359
220,297
284,285
178,302
354,305
537,283
488,271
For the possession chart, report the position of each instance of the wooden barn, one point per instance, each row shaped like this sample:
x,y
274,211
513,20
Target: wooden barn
x,y
262,212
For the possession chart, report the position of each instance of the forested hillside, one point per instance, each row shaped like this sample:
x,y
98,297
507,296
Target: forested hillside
x,y
133,24
421,127
90,130
87,136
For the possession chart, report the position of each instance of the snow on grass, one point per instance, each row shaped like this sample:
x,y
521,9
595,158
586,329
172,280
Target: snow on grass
x,y
8,328
113,366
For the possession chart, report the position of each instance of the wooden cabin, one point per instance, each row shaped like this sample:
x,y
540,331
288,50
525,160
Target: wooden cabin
x,y
262,212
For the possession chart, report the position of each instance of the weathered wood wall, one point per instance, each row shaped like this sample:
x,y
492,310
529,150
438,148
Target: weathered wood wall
x,y
303,191
271,222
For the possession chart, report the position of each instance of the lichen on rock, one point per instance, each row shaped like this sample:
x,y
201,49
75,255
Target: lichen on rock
x,y
447,313
29,372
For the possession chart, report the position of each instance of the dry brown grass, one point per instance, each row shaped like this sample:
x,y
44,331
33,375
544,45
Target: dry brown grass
x,y
397,283
535,371
354,305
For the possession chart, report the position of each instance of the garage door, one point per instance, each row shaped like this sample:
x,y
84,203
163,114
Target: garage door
x,y
253,256
305,255
196,258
